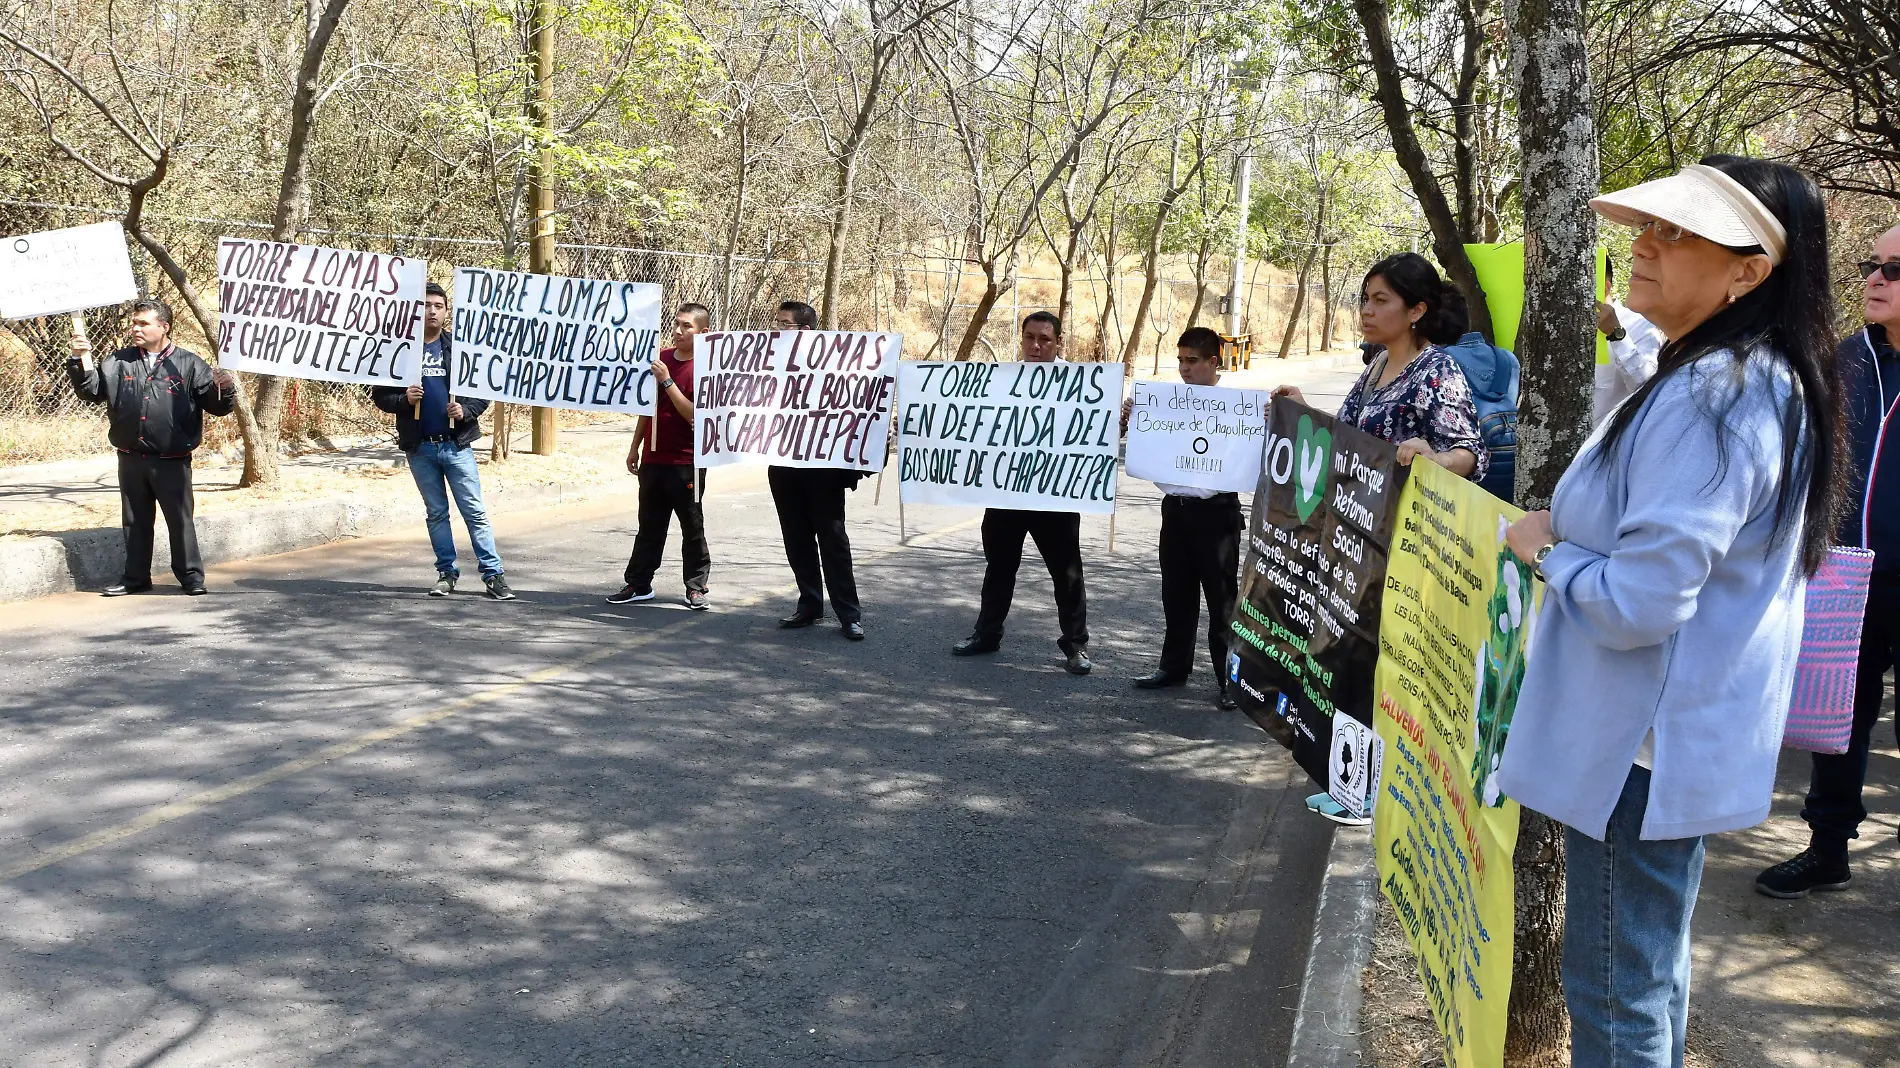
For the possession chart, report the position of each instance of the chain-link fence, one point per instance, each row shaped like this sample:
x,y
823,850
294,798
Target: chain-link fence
x,y
931,300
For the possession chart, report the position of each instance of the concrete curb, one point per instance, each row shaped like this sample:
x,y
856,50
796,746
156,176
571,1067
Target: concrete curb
x,y
92,559
1326,1030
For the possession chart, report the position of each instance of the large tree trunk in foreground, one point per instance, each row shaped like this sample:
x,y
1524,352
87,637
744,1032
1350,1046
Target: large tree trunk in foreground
x,y
1557,345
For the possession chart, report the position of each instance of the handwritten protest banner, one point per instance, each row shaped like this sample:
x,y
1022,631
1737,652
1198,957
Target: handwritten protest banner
x,y
1206,437
304,311
795,398
1308,614
1036,436
555,342
59,271
1453,636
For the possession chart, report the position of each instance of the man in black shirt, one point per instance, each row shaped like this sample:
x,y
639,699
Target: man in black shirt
x,y
156,396
810,503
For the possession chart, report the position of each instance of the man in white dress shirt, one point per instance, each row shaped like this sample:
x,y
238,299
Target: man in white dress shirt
x,y
1200,547
1634,344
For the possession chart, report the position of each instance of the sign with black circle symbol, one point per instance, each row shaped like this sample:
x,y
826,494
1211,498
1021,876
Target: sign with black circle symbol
x,y
1353,764
59,271
1200,446
1197,437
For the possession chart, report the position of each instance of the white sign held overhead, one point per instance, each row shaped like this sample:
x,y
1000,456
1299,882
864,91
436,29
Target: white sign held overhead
x,y
1204,437
1036,436
59,271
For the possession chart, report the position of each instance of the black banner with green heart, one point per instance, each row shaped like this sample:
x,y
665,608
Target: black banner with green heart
x,y
1307,623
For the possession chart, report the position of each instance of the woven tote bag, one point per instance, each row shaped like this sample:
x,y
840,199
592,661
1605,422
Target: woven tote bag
x,y
1821,712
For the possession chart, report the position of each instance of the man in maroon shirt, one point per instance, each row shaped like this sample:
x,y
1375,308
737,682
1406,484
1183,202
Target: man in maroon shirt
x,y
662,458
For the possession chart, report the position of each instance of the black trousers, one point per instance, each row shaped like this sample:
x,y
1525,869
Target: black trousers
x,y
1058,538
149,485
1200,560
666,491
1834,809
810,503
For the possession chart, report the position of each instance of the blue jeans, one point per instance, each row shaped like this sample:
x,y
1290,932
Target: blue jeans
x,y
441,468
1626,939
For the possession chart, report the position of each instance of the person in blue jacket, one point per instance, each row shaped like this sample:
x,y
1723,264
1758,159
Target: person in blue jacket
x,y
1492,373
1870,370
1674,557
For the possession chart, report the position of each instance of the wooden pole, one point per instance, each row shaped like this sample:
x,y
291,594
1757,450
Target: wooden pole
x,y
541,188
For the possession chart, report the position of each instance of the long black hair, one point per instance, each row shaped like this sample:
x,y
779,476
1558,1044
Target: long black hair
x,y
1789,318
1416,281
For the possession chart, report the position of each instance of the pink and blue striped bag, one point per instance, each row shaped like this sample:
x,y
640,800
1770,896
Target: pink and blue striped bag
x,y
1821,712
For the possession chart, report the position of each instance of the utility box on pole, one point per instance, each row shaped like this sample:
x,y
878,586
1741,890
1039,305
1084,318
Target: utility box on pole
x,y
541,188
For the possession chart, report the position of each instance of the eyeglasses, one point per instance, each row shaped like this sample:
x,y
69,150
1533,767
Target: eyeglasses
x,y
1664,231
1889,270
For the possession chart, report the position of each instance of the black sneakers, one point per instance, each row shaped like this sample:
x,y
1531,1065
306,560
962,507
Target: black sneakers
x,y
628,595
1809,870
498,588
123,588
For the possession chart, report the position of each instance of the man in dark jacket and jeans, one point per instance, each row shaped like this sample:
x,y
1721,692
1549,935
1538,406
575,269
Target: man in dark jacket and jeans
x,y
1870,380
438,431
156,395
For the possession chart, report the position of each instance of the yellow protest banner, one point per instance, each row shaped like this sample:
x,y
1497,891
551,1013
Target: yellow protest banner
x,y
1453,633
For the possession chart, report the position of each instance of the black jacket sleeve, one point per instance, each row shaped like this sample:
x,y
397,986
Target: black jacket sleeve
x,y
472,407
86,379
212,398
391,399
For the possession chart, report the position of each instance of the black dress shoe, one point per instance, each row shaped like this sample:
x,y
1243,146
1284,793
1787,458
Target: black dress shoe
x,y
798,619
1158,680
124,588
1226,702
853,631
196,590
974,645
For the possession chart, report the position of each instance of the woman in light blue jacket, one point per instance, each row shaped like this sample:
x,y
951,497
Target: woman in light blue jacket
x,y
1676,553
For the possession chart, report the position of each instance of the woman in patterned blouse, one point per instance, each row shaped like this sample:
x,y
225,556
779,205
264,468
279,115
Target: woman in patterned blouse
x,y
1414,395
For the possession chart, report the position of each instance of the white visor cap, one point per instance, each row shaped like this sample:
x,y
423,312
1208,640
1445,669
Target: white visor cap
x,y
1704,201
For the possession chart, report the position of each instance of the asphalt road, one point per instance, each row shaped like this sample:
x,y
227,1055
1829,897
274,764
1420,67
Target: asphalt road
x,y
318,818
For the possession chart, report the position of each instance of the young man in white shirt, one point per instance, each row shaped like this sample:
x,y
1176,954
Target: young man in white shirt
x,y
1199,548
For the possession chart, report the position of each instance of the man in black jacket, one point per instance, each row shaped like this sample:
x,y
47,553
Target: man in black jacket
x,y
438,431
156,396
810,504
1870,380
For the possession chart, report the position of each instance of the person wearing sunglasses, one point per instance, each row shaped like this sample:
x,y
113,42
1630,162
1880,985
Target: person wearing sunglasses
x,y
1673,556
1870,369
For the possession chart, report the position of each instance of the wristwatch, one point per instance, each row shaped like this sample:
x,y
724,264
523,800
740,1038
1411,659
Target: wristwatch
x,y
666,385
1617,335
1537,560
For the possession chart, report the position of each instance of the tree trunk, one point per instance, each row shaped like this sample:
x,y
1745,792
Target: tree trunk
x,y
847,160
265,429
1556,344
1151,268
1326,297
1448,241
1537,1031
1299,303
1557,337
993,291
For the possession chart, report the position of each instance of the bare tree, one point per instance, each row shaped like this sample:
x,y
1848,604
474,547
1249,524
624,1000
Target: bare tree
x,y
1449,229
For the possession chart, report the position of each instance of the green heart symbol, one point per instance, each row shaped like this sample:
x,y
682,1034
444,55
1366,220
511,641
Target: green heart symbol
x,y
1312,456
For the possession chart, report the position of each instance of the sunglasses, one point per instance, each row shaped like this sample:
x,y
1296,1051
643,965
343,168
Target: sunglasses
x,y
1889,270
